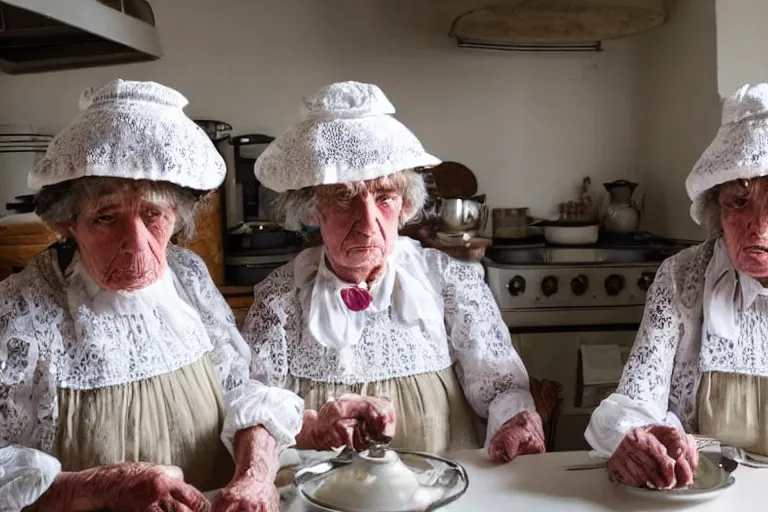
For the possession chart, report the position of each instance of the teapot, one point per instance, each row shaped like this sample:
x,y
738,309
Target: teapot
x,y
622,214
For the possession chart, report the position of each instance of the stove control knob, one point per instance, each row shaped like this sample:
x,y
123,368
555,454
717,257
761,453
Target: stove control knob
x,y
614,284
579,284
549,286
516,286
646,280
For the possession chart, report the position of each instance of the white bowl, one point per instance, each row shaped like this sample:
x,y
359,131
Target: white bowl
x,y
572,235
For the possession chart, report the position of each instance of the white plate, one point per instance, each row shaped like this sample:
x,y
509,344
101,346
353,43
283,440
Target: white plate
x,y
709,482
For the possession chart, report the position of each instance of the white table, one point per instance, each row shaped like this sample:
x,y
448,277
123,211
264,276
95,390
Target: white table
x,y
540,483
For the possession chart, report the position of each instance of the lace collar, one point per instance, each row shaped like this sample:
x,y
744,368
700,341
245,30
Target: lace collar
x,y
125,336
727,292
404,286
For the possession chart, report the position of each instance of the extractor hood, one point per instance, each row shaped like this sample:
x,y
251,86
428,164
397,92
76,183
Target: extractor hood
x,y
52,35
531,25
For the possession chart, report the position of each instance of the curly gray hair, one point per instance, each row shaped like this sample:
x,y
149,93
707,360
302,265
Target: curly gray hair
x,y
62,202
296,207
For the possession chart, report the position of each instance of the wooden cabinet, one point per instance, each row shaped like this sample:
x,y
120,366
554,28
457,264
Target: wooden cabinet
x,y
19,243
208,239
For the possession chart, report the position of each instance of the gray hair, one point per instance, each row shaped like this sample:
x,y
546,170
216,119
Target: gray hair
x,y
710,217
295,207
62,202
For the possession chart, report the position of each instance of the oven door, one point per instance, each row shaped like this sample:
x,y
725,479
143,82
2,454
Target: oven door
x,y
555,353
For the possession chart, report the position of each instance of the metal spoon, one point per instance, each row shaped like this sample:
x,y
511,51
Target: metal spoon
x,y
377,443
740,456
580,467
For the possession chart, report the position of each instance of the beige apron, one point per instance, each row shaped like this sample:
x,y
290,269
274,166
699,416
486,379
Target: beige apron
x,y
175,418
732,408
432,413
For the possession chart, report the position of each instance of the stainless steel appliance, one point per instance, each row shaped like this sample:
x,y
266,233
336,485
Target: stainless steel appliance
x,y
241,188
461,218
560,301
254,244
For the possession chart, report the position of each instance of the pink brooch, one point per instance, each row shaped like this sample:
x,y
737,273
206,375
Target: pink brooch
x,y
356,298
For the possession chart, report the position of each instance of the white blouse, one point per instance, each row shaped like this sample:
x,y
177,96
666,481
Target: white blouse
x,y
674,348
63,331
473,334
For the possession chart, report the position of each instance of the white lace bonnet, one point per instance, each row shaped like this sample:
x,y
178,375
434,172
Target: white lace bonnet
x,y
135,130
739,150
348,134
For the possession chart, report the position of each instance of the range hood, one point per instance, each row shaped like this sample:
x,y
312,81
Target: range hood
x,y
52,35
536,25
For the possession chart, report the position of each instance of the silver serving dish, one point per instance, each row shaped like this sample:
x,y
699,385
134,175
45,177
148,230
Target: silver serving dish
x,y
381,480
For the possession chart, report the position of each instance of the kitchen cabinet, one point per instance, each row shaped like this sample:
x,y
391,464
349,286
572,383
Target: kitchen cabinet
x,y
19,243
208,239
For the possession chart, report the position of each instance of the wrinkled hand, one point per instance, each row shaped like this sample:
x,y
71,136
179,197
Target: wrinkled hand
x,y
247,494
656,456
521,435
345,422
123,487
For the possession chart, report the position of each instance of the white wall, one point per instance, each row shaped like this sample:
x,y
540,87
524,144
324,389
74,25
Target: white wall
x,y
742,40
678,110
529,125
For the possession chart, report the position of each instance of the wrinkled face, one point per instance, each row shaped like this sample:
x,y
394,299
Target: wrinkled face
x,y
359,224
122,239
744,217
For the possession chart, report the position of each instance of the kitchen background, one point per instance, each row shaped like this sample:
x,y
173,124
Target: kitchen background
x,y
529,125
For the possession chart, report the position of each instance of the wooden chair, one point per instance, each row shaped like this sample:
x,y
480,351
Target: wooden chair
x,y
546,397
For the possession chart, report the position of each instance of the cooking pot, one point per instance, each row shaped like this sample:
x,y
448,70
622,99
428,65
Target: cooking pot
x,y
570,233
463,214
510,223
381,480
260,236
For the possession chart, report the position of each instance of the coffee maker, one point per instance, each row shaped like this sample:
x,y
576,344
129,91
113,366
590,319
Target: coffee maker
x,y
241,188
255,244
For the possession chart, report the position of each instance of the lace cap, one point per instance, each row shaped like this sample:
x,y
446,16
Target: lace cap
x,y
348,134
738,151
126,91
347,100
134,130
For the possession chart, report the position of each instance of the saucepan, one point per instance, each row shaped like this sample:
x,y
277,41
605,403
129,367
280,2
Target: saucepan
x,y
260,235
463,213
560,232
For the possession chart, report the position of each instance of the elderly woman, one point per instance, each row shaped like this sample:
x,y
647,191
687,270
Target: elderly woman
x,y
124,382
700,363
369,327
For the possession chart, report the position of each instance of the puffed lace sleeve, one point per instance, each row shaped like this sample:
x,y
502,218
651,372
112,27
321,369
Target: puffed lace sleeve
x,y
27,396
642,397
491,372
248,401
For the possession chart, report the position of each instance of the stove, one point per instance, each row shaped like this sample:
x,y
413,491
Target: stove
x,y
605,283
573,313
580,294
